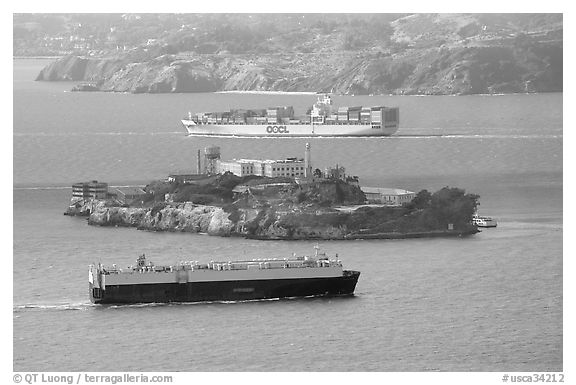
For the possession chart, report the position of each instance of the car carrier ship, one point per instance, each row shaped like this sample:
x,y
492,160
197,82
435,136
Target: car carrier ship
x,y
322,120
316,275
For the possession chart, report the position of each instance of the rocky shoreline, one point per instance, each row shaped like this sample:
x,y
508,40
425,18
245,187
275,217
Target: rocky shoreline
x,y
449,71
422,234
263,223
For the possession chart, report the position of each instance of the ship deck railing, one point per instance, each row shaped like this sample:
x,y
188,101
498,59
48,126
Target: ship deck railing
x,y
220,266
290,264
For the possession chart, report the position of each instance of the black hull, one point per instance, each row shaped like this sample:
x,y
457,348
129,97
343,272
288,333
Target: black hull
x,y
225,290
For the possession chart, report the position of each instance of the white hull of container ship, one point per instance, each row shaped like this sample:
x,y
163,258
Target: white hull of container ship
x,y
288,130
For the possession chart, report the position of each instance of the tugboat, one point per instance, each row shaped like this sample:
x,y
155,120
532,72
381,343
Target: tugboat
x,y
192,281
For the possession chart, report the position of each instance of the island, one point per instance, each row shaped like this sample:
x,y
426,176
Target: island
x,y
282,208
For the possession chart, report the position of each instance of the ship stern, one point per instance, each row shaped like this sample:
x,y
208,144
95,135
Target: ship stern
x,y
95,289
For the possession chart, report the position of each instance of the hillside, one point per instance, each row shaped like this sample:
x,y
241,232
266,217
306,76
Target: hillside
x,y
339,53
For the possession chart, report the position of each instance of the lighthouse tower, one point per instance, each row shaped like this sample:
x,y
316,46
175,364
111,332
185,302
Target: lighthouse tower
x,y
307,162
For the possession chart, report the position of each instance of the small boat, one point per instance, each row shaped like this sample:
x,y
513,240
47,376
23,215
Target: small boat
x,y
484,221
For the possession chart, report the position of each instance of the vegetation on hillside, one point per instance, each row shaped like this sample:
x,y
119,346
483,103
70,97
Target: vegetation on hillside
x,y
340,53
448,208
278,207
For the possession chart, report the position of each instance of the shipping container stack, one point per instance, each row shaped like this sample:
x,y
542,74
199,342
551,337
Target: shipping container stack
x,y
386,116
376,115
354,114
365,113
272,115
342,114
257,113
279,114
236,116
200,117
391,117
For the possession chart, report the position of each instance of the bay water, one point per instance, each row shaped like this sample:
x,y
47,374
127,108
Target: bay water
x,y
489,302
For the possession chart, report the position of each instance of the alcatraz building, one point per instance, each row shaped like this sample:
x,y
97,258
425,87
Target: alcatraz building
x,y
289,167
89,190
388,196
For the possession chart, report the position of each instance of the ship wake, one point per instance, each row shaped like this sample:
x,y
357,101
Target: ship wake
x,y
19,308
264,300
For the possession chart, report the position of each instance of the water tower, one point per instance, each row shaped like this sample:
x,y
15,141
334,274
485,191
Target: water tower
x,y
211,157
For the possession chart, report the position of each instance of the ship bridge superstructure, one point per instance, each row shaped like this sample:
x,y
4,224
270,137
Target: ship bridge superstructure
x,y
321,109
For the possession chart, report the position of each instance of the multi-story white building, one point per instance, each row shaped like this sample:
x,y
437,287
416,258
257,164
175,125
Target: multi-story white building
x,y
290,167
240,167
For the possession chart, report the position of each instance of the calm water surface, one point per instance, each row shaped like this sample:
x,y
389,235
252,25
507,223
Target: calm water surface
x,y
491,302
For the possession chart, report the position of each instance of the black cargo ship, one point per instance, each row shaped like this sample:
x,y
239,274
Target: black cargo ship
x,y
221,281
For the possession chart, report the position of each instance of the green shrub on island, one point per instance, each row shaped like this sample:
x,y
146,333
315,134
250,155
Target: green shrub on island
x,y
427,212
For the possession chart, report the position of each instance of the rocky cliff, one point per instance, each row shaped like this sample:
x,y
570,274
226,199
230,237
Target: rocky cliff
x,y
415,54
183,217
272,223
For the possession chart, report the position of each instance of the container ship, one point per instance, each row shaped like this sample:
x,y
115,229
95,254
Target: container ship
x,y
305,276
323,120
